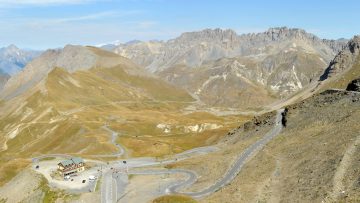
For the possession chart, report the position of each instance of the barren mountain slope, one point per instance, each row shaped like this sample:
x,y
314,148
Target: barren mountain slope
x,y
345,67
251,70
314,159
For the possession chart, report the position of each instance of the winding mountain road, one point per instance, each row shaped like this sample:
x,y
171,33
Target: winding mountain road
x,y
109,192
120,149
236,168
230,174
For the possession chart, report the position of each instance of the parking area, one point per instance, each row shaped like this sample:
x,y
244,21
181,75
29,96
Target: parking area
x,y
75,184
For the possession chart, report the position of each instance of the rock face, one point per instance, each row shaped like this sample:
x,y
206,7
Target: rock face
x,y
354,85
344,59
13,59
194,48
336,45
222,68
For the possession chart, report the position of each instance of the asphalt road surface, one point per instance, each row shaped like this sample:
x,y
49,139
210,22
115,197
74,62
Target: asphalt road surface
x,y
230,174
236,168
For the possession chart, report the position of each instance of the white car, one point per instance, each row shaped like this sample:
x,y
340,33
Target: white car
x,y
92,178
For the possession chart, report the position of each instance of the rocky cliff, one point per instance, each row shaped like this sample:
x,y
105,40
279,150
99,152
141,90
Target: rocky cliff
x,y
345,59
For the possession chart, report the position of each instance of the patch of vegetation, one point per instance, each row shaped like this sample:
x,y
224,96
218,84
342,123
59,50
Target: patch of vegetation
x,y
9,169
53,195
174,199
48,158
98,184
130,176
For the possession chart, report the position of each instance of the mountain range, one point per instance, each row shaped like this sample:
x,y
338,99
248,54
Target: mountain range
x,y
160,98
248,70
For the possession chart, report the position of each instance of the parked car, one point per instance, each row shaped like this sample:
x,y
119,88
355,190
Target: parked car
x,y
92,178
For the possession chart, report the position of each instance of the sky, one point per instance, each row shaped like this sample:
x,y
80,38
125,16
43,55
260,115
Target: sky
x,y
42,24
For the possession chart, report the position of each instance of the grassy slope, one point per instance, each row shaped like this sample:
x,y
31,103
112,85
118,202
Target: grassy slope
x,y
68,116
9,169
301,162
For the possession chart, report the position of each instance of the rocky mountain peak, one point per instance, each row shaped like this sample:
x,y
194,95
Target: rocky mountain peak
x,y
12,48
13,59
208,34
11,51
344,59
73,58
285,33
354,45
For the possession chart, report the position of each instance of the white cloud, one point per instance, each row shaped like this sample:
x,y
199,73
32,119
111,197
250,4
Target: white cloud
x,y
40,23
11,3
84,17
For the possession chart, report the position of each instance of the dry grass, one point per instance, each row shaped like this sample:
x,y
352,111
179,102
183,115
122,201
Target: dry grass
x,y
174,199
10,168
299,165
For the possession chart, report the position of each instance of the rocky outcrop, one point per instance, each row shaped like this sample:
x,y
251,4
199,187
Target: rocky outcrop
x,y
354,85
344,59
336,45
266,119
